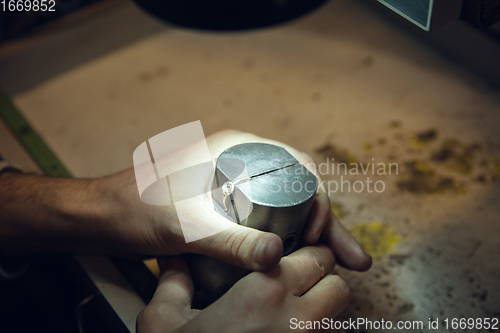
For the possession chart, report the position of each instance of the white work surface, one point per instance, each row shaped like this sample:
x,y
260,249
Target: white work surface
x,y
340,76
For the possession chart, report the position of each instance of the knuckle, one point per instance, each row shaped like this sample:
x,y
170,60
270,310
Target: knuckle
x,y
318,259
314,264
273,293
319,263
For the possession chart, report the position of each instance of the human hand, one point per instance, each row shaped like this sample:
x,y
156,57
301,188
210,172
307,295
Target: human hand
x,y
135,228
299,287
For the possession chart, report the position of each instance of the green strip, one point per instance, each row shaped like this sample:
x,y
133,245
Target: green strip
x,y
136,272
40,152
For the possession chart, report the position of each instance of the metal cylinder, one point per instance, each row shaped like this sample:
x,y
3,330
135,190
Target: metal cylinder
x,y
261,186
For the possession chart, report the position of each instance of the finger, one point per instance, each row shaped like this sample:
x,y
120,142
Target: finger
x,y
321,209
243,247
327,299
171,303
320,215
175,285
304,268
344,246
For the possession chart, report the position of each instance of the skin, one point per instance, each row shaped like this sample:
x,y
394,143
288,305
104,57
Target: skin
x,y
299,287
106,216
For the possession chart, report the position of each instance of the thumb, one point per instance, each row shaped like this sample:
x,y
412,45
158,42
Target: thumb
x,y
242,246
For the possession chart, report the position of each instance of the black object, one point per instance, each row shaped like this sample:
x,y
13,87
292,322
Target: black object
x,y
228,14
481,13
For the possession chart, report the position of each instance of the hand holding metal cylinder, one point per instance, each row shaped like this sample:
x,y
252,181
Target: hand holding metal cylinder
x,y
261,186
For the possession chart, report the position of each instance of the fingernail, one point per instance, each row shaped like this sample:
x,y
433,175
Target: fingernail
x,y
268,252
368,259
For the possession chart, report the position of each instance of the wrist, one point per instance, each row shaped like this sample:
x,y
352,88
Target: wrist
x,y
132,227
83,212
43,214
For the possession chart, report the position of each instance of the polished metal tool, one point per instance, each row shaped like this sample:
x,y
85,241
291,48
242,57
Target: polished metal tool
x,y
261,186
